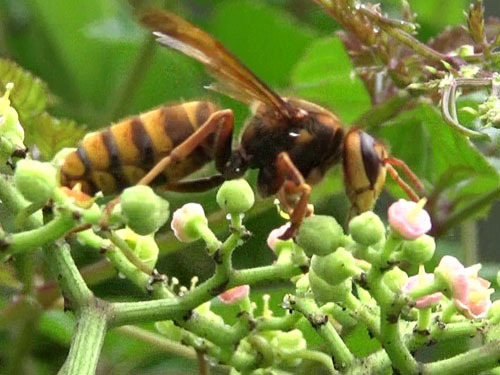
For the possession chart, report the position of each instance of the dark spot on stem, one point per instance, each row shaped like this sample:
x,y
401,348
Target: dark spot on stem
x,y
4,244
317,320
392,318
304,268
187,315
218,257
218,289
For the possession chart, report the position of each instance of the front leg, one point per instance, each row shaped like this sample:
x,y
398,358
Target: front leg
x,y
293,183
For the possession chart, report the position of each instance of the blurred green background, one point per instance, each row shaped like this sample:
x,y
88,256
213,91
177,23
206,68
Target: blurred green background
x,y
101,66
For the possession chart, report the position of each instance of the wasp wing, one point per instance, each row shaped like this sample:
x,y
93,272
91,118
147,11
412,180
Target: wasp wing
x,y
176,33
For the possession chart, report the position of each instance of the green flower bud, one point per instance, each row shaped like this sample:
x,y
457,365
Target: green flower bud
x,y
35,180
235,196
320,235
10,128
286,345
324,292
395,279
302,284
144,247
494,312
144,211
466,50
168,329
204,310
335,267
418,251
367,229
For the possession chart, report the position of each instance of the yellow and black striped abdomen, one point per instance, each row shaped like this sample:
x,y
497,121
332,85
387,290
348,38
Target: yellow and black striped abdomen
x,y
121,155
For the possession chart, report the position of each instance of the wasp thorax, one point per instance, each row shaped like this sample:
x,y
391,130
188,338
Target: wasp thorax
x,y
364,170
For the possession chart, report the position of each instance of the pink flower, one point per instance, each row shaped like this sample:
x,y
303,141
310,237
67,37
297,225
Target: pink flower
x,y
235,295
420,280
409,219
275,235
470,292
184,221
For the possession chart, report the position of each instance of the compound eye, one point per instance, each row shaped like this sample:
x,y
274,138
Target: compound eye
x,y
371,157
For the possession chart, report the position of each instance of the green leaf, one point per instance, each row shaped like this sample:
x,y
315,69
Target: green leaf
x,y
53,134
30,95
439,155
360,342
57,326
264,38
326,75
436,15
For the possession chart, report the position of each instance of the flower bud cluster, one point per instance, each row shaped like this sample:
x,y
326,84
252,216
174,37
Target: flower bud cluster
x,y
11,131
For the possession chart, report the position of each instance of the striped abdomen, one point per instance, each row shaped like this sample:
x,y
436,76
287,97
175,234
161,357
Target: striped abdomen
x,y
121,155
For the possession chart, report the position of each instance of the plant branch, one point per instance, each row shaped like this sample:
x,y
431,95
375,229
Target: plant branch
x,y
472,362
319,321
87,342
67,274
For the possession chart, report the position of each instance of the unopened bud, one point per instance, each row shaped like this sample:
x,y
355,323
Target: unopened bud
x,y
320,235
144,211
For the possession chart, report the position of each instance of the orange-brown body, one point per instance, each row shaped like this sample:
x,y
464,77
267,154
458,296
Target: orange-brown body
x,y
121,155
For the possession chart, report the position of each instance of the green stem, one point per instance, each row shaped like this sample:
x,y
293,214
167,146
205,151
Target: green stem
x,y
448,312
364,313
212,242
32,239
116,257
219,334
377,363
391,245
263,274
472,362
283,323
121,245
86,343
443,332
320,357
203,368
158,341
390,310
424,319
425,290
135,312
319,321
15,202
396,349
405,38
469,238
67,274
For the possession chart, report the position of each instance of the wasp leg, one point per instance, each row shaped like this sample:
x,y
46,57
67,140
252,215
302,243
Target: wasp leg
x,y
195,185
407,171
407,188
221,120
294,183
